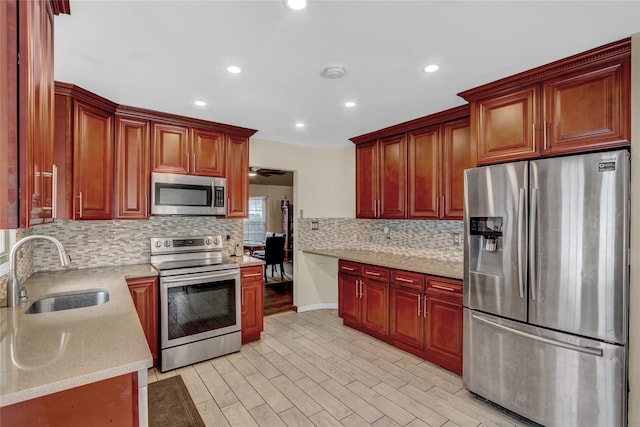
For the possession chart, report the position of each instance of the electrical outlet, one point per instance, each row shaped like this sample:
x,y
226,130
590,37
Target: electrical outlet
x,y
457,238
315,225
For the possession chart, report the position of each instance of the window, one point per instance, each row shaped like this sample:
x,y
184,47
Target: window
x,y
255,227
6,238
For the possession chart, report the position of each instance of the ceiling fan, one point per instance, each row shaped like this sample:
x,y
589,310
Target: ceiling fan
x,y
264,172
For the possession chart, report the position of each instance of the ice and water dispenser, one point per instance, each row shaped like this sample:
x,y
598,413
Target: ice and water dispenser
x,y
485,244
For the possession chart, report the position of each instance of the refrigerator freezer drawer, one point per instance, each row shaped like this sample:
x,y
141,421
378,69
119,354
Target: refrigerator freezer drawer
x,y
553,378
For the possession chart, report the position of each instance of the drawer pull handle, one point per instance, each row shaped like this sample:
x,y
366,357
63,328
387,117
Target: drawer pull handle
x,y
444,288
347,268
252,275
372,273
400,279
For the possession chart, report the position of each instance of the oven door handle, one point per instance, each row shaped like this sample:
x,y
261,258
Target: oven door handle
x,y
193,277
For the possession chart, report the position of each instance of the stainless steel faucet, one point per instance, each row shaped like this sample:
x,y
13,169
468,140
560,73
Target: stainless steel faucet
x,y
13,294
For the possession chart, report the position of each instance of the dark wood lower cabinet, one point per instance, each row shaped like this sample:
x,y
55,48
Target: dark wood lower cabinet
x,y
363,298
252,303
417,313
443,343
113,401
144,292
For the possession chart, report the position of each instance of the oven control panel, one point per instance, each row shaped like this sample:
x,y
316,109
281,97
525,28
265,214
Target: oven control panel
x,y
165,245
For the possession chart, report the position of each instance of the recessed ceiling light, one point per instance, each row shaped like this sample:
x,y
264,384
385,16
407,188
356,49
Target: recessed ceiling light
x,y
296,4
234,69
350,104
200,103
431,68
299,125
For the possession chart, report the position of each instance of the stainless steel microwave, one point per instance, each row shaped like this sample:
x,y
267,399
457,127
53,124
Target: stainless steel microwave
x,y
174,194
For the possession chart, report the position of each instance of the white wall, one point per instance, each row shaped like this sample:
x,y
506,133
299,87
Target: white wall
x,y
634,315
323,187
274,194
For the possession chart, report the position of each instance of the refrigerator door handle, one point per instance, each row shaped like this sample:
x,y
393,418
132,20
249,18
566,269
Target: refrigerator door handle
x,y
533,242
521,237
587,350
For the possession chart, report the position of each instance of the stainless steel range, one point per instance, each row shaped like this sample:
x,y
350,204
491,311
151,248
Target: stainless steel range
x,y
199,300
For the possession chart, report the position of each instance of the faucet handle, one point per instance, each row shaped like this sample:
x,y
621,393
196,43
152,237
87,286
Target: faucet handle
x,y
23,294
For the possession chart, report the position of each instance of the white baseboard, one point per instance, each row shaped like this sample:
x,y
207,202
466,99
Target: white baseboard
x,y
332,305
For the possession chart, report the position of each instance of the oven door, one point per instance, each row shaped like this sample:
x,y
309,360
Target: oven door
x,y
198,306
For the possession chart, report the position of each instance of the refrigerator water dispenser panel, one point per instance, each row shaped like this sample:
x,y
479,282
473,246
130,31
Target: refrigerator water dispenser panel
x,y
488,230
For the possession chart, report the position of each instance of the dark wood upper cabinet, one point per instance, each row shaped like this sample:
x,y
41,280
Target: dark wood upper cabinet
x,y
587,109
577,104
381,178
26,119
392,177
208,152
132,168
170,148
425,172
506,126
93,162
237,165
367,180
459,154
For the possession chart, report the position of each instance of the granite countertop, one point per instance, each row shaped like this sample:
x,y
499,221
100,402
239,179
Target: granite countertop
x,y
434,267
45,353
246,260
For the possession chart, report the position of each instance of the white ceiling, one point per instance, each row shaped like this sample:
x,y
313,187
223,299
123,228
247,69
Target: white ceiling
x,y
163,55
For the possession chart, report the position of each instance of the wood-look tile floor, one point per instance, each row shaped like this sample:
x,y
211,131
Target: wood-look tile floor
x,y
309,369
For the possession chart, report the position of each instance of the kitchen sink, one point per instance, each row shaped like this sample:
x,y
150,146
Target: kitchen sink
x,y
68,301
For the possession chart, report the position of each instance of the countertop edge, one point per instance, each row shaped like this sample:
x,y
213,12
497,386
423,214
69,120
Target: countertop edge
x,y
430,266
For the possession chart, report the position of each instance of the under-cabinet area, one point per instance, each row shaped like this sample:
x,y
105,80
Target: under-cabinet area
x,y
416,312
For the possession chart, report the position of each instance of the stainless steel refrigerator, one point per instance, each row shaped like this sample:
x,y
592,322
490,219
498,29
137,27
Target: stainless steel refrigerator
x,y
546,287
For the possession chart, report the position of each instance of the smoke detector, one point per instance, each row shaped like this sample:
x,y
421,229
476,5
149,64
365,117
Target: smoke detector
x,y
333,72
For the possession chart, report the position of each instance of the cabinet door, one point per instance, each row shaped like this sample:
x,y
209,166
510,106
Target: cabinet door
x,y
132,168
443,343
424,172
507,126
207,152
252,310
35,104
9,146
375,306
366,180
170,145
587,110
459,154
349,297
93,163
237,176
407,318
144,292
392,177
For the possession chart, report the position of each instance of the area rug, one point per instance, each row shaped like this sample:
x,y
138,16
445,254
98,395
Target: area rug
x,y
170,404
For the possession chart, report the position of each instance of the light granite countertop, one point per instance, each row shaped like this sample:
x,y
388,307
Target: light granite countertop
x,y
246,260
434,267
45,353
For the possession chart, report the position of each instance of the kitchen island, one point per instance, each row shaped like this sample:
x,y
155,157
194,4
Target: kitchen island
x,y
46,353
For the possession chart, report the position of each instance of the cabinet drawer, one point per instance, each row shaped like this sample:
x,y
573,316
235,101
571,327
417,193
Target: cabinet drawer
x,y
379,274
444,287
407,279
251,274
348,267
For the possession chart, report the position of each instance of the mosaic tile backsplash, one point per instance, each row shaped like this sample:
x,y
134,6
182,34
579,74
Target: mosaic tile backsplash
x,y
120,242
422,238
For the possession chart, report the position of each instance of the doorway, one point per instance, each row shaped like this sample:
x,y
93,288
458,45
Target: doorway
x,y
271,194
